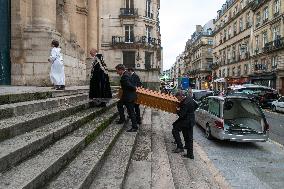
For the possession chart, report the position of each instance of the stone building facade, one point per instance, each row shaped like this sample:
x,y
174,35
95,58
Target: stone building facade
x,y
267,60
130,34
34,24
232,44
199,55
249,43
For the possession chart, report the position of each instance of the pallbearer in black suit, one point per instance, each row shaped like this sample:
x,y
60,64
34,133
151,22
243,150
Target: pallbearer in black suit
x,y
137,82
128,96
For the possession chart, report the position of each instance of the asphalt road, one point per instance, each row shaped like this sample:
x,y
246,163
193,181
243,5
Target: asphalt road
x,y
246,165
276,123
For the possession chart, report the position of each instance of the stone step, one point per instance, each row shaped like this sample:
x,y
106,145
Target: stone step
x,y
112,174
36,171
15,97
28,107
15,150
80,172
18,125
107,158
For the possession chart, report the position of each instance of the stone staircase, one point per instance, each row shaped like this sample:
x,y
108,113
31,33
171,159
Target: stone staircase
x,y
56,139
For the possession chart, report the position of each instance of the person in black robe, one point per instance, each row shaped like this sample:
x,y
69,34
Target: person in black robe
x,y
100,91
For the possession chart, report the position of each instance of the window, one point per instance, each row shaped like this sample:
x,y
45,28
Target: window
x,y
274,62
129,34
242,4
264,38
235,28
248,19
148,60
239,70
229,32
265,14
210,41
214,107
210,50
129,4
129,59
234,53
276,7
233,71
276,32
224,73
256,42
148,9
258,19
149,34
228,72
241,24
246,68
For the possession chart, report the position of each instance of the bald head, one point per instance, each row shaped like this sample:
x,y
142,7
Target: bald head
x,y
93,52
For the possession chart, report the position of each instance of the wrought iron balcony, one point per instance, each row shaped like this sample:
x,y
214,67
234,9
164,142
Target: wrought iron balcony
x,y
274,45
135,42
128,12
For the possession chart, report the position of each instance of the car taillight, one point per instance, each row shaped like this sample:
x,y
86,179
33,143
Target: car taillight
x,y
219,124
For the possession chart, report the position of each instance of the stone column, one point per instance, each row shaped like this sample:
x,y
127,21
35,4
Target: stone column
x,y
44,14
70,10
92,31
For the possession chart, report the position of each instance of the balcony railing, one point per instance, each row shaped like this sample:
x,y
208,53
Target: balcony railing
x,y
135,42
274,45
128,12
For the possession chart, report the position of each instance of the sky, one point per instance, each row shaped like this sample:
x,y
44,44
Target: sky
x,y
178,19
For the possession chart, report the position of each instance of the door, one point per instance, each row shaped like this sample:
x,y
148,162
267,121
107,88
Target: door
x,y
5,38
129,59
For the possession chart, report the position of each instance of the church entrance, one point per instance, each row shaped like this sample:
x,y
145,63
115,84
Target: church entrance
x,y
5,42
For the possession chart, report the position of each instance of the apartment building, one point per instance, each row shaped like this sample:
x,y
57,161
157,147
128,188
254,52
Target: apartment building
x,y
199,55
267,56
130,34
231,53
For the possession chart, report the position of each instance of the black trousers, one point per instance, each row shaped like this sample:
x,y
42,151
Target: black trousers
x,y
187,133
120,109
130,109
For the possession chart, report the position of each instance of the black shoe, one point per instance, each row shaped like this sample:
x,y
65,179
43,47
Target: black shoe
x,y
120,121
188,156
131,130
178,150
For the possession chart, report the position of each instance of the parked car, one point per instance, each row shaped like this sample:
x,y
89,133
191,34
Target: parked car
x,y
264,95
199,95
234,118
278,105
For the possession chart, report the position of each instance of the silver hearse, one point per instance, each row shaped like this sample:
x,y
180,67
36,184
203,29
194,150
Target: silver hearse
x,y
234,118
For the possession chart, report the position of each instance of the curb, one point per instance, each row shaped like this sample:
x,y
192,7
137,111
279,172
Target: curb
x,y
218,177
277,143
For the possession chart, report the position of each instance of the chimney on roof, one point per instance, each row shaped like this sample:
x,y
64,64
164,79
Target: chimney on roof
x,y
198,28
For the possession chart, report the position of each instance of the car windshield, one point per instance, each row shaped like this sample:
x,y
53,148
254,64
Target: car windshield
x,y
243,114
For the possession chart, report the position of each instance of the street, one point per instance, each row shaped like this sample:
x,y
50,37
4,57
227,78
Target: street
x,y
276,123
245,165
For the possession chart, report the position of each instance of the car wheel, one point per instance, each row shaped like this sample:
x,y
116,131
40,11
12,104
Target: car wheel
x,y
274,108
208,132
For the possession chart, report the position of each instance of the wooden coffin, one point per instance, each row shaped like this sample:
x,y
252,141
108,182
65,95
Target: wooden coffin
x,y
156,100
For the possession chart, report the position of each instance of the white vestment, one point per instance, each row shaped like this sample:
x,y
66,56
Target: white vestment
x,y
57,75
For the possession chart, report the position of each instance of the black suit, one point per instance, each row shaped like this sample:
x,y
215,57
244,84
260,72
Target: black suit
x,y
136,82
128,98
185,123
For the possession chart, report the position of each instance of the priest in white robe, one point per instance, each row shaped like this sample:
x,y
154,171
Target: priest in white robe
x,y
57,75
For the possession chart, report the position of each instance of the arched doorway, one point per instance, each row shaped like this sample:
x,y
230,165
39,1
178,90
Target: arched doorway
x,y
5,42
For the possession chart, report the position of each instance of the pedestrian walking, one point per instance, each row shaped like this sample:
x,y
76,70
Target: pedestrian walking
x,y
128,96
57,75
100,91
184,124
